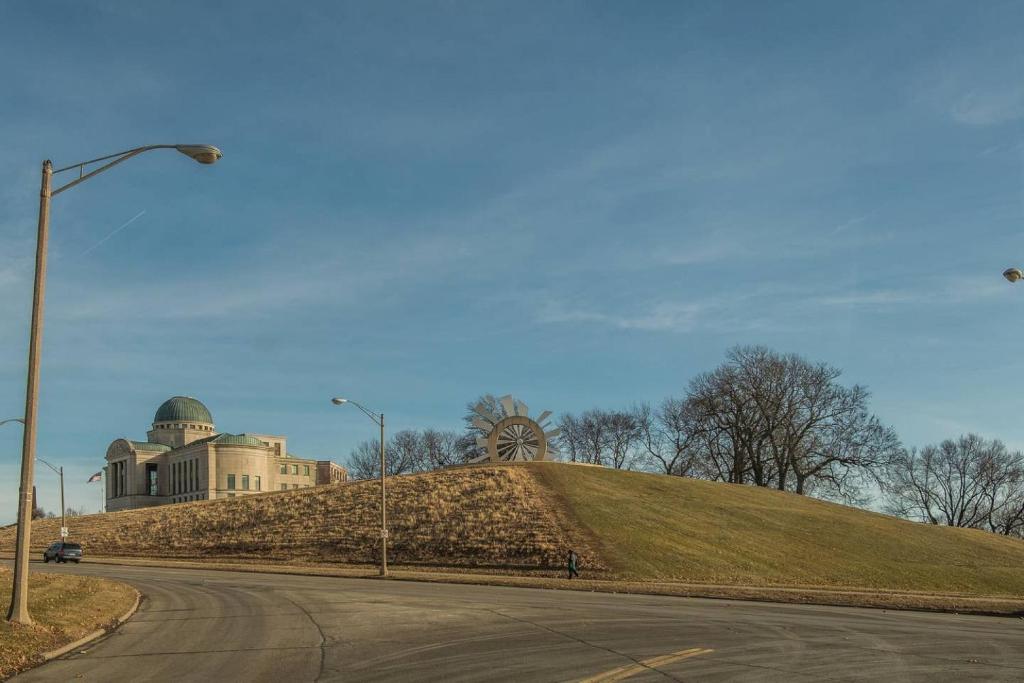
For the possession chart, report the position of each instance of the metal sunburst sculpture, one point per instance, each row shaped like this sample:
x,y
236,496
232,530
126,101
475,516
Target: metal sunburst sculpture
x,y
516,436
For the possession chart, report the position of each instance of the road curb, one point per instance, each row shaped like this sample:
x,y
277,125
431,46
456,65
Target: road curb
x,y
53,654
782,595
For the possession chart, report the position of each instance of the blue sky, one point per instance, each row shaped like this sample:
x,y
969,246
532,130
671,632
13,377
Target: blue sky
x,y
583,204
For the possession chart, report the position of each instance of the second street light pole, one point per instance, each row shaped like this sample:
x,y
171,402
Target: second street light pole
x,y
60,473
383,507
378,420
63,522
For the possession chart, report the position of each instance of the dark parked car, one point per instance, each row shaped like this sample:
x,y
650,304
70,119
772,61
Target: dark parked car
x,y
62,552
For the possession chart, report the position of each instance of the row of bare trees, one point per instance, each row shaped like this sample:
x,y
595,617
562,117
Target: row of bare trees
x,y
407,452
766,419
964,482
760,418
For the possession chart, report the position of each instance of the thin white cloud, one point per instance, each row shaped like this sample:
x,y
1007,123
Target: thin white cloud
x,y
343,274
663,317
930,291
991,107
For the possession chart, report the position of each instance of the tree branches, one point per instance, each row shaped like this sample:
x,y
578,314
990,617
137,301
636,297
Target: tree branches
x,y
963,482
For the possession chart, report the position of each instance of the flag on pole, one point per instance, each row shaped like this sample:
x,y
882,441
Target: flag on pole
x,y
95,477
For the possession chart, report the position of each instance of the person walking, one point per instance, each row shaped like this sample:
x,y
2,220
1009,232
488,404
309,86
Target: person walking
x,y
572,563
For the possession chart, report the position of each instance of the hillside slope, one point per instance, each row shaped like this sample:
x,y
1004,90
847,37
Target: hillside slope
x,y
654,526
492,517
522,518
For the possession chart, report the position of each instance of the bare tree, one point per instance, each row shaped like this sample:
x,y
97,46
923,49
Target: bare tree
x,y
403,454
666,436
777,420
474,426
570,440
965,482
600,437
364,460
729,427
441,449
622,435
585,437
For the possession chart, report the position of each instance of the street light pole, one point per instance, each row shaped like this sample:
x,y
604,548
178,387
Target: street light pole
x,y
383,507
18,611
204,154
379,420
60,473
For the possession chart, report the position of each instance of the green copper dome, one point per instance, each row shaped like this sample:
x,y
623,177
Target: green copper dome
x,y
183,409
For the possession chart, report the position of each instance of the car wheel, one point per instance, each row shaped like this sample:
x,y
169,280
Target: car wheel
x,y
76,561
46,558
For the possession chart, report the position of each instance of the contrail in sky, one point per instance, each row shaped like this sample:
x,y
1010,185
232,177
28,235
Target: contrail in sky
x,y
130,221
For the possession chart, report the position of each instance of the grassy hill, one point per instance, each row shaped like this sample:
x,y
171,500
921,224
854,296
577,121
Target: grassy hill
x,y
625,524
653,526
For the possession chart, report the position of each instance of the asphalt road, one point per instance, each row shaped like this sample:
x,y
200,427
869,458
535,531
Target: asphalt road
x,y
227,626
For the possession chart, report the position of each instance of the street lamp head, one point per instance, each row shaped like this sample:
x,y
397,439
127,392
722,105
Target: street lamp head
x,y
339,401
204,154
1013,274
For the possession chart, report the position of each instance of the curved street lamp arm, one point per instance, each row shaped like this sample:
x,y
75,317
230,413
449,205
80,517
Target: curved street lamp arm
x,y
13,419
117,158
48,464
205,154
369,413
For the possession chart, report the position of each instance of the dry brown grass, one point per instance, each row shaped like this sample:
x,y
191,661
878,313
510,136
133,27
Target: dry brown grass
x,y
689,537
485,517
64,608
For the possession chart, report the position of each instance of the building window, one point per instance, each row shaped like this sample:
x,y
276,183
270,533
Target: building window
x,y
231,495
305,470
284,487
284,469
257,482
295,469
295,486
151,480
231,482
245,482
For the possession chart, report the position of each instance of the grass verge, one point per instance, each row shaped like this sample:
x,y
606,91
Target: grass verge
x,y
64,608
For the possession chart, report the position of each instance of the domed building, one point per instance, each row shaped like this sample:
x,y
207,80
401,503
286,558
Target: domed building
x,y
184,458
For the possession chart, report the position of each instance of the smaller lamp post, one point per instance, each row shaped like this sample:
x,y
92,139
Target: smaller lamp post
x,y
60,473
378,420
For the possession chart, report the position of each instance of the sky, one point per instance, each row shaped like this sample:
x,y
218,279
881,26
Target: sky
x,y
582,204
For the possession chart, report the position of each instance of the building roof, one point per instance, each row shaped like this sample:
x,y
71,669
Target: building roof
x,y
183,408
149,446
229,439
238,440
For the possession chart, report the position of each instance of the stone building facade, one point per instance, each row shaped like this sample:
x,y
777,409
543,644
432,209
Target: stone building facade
x,y
184,458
